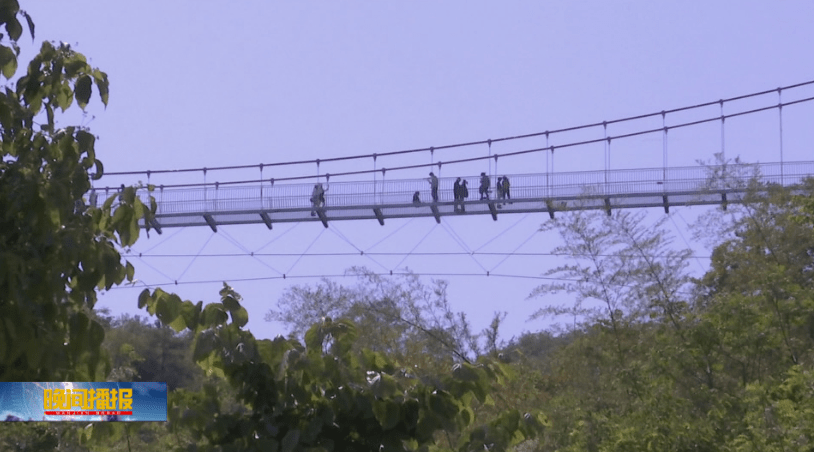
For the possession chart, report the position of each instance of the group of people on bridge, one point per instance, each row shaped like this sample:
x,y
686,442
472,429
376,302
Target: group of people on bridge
x,y
460,190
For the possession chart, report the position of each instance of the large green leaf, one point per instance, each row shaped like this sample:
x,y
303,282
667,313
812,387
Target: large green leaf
x,y
240,316
313,338
8,62
30,23
230,303
96,335
214,315
144,298
83,90
14,29
387,412
191,314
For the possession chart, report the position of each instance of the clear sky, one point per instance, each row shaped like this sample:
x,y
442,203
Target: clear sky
x,y
207,83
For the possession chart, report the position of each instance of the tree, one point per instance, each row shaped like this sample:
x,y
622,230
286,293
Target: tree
x,y
763,275
148,351
320,395
409,321
631,274
55,250
669,363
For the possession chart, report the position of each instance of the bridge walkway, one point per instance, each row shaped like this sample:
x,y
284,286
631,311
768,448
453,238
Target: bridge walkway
x,y
221,204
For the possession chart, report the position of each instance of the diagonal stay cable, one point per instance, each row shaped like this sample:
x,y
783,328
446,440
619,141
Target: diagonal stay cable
x,y
681,234
235,242
533,234
194,258
457,239
414,248
390,234
501,233
165,239
278,237
463,245
303,253
154,269
342,236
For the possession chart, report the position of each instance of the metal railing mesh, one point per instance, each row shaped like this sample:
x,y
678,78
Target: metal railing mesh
x,y
546,186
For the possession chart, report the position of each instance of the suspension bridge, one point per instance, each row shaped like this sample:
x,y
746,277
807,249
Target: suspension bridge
x,y
289,199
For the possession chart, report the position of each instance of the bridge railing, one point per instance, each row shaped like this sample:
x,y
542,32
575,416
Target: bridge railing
x,y
656,181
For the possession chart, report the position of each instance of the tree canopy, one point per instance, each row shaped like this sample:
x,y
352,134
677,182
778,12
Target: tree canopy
x,y
55,250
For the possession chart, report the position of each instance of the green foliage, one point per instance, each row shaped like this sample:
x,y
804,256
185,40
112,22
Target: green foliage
x,y
321,395
140,351
409,321
55,251
780,414
723,363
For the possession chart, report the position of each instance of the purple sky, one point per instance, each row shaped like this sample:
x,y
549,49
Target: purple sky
x,y
208,83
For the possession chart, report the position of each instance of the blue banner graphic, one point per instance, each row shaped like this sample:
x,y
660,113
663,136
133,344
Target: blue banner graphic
x,y
85,402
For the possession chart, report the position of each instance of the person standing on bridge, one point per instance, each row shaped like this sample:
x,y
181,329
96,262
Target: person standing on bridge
x,y
317,198
464,195
457,193
506,186
484,186
433,186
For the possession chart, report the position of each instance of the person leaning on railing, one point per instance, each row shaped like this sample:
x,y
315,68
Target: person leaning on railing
x,y
433,186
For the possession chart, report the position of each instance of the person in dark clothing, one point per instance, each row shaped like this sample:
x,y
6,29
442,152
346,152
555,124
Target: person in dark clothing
x,y
484,186
499,188
457,194
317,198
416,198
433,186
506,186
464,195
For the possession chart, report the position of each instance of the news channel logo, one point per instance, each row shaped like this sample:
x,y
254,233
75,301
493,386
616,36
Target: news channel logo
x,y
83,401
